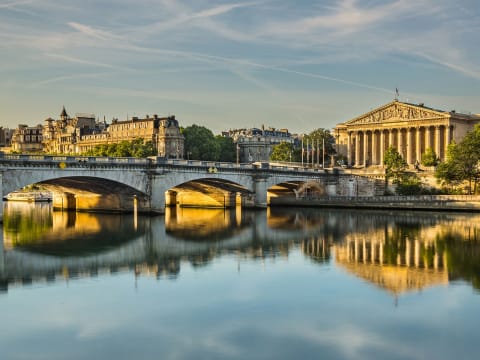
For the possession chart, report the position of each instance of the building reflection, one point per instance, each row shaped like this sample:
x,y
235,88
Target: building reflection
x,y
396,251
408,256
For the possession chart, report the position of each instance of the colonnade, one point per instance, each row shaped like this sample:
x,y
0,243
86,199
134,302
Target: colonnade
x,y
358,249
368,146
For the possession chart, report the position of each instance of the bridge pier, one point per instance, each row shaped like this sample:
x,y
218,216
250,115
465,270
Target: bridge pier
x,y
156,193
260,189
64,201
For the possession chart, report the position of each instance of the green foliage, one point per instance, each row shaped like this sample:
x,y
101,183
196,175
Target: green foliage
x,y
200,144
282,152
136,148
316,138
463,162
395,165
409,184
227,149
429,158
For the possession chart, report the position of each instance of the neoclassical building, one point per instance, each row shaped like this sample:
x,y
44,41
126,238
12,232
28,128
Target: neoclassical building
x,y
410,128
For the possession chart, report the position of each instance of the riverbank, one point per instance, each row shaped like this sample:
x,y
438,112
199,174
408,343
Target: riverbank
x,y
421,202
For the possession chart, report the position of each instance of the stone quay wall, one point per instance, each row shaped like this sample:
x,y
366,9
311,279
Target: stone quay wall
x,y
420,202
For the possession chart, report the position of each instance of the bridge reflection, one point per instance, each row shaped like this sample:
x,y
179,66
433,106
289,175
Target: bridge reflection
x,y
397,251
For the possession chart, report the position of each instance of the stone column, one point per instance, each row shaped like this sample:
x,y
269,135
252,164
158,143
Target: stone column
x,y
349,149
409,146
365,148
418,144
357,149
382,146
399,143
428,134
374,149
437,142
448,138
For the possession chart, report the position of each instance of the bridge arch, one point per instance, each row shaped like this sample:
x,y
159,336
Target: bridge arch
x,y
208,192
88,193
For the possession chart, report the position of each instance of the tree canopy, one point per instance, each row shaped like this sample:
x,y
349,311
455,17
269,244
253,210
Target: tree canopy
x,y
134,148
462,163
282,152
429,158
227,149
201,144
316,138
394,164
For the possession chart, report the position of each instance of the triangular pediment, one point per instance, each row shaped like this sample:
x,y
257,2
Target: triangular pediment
x,y
397,111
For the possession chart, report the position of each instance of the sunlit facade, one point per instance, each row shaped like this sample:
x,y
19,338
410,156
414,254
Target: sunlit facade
x,y
409,128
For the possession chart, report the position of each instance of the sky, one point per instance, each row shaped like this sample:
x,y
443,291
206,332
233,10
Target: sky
x,y
300,65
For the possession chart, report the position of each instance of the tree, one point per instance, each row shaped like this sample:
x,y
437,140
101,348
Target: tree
x,y
320,139
429,158
463,162
200,144
227,149
395,165
282,152
135,148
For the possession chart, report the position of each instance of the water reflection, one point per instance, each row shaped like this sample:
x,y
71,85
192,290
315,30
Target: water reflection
x,y
396,251
36,228
205,224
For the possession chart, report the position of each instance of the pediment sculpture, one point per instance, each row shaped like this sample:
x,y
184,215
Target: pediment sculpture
x,y
395,111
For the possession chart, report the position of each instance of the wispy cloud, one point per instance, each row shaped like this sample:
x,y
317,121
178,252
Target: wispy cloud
x,y
93,32
64,78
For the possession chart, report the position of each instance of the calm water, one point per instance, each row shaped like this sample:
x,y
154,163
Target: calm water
x,y
209,284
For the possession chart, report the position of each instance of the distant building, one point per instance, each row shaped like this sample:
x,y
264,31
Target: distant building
x,y
5,137
77,135
63,136
409,128
164,133
257,144
27,139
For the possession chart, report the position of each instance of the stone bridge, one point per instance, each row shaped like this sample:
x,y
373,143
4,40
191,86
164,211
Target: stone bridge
x,y
149,184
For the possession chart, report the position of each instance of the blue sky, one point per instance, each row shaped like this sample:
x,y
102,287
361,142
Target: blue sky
x,y
229,64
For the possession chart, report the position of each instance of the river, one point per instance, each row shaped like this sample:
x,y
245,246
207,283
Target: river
x,y
236,284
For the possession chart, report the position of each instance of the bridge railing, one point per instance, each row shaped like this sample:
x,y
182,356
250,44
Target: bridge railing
x,y
157,160
70,159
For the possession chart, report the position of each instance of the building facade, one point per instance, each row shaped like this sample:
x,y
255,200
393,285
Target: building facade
x,y
27,138
409,128
163,132
77,135
257,144
63,136
5,137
